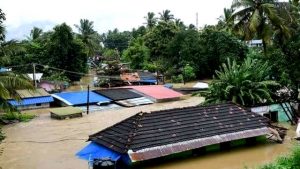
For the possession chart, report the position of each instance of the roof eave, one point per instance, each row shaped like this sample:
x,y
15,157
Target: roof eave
x,y
160,151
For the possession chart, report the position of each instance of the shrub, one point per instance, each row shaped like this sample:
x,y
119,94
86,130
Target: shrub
x,y
177,79
189,73
247,84
17,116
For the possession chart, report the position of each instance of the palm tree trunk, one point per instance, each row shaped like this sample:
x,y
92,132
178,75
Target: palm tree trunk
x,y
264,47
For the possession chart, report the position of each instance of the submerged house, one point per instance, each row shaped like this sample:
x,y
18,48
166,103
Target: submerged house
x,y
125,97
157,93
147,136
80,99
32,99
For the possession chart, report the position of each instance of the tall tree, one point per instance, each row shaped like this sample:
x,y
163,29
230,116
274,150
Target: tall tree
x,y
257,18
226,20
35,33
2,28
89,36
66,53
151,20
166,15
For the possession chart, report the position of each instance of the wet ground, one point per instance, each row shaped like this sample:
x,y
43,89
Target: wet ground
x,y
45,143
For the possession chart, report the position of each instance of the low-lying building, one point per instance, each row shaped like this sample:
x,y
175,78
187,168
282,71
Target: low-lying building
x,y
146,136
125,97
32,99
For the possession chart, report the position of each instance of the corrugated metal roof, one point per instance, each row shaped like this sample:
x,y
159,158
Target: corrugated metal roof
x,y
32,93
157,92
95,108
135,102
31,101
79,98
118,93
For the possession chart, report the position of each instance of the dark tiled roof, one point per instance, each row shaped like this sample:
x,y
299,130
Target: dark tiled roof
x,y
118,94
148,130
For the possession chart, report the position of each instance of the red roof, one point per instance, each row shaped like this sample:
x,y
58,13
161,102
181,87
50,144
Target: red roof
x,y
157,91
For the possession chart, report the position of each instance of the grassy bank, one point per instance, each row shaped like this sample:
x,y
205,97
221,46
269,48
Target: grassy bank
x,y
290,161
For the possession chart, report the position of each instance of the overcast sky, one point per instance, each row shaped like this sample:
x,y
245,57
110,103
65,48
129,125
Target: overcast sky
x,y
22,15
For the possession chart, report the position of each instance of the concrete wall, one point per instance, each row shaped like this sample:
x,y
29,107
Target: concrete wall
x,y
34,106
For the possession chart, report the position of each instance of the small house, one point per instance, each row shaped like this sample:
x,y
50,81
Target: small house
x,y
125,97
147,136
32,99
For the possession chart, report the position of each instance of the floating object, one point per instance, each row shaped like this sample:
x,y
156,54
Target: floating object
x,y
201,85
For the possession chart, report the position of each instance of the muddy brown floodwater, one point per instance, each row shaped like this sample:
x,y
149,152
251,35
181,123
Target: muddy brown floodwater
x,y
237,158
44,143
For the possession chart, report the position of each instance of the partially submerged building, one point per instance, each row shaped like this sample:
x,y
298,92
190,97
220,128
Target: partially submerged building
x,y
79,98
125,97
157,93
32,99
147,136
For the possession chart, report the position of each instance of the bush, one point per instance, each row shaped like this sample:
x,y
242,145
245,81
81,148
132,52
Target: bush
x,y
291,161
247,84
189,73
17,116
177,79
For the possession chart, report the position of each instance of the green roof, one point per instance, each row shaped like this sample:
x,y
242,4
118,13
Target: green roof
x,y
32,93
65,111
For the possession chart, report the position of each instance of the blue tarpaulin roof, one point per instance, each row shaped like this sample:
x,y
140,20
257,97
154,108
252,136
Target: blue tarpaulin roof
x,y
79,98
148,81
95,151
32,100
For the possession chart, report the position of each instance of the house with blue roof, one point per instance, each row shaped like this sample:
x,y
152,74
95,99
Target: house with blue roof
x,y
32,99
79,98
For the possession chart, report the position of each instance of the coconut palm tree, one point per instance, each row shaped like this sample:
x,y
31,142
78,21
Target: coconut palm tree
x,y
88,35
2,28
35,33
226,21
9,83
257,18
150,19
166,15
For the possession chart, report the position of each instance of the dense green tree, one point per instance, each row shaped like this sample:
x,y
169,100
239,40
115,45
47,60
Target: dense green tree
x,y
89,37
35,33
117,40
216,47
66,53
166,15
137,54
258,19
157,40
151,20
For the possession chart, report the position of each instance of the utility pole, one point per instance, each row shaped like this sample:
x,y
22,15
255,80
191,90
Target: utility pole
x,y
197,20
88,100
34,78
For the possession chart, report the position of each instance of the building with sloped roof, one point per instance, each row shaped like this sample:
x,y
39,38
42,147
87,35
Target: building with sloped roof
x,y
32,99
79,98
125,97
146,136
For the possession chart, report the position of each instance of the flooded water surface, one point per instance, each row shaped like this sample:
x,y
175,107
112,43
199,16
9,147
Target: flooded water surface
x,y
236,158
44,143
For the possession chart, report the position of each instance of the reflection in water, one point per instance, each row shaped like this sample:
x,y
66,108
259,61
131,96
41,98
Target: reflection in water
x,y
236,158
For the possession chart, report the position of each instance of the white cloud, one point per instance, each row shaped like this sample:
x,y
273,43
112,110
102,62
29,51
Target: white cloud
x,y
108,14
